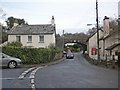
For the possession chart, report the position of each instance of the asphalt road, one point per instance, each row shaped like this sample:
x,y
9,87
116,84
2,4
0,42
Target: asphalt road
x,y
70,73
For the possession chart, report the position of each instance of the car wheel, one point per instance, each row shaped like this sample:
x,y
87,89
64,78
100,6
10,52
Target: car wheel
x,y
12,64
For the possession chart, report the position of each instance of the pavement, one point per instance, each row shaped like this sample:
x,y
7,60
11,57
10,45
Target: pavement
x,y
102,64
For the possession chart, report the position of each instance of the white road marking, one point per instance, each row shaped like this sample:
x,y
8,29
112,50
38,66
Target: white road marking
x,y
7,78
32,81
26,72
33,86
32,77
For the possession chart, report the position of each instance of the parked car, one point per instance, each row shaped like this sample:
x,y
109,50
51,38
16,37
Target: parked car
x,y
8,61
69,55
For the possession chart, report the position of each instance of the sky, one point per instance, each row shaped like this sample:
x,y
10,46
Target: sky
x,y
72,16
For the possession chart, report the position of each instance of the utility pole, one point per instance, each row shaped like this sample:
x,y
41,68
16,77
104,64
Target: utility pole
x,y
98,54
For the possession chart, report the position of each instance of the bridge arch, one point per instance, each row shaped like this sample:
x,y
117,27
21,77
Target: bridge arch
x,y
81,44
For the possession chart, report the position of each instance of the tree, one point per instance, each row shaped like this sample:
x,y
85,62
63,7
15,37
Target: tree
x,y
113,24
3,34
11,20
91,31
59,41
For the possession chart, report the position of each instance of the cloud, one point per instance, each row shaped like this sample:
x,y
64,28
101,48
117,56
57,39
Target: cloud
x,y
70,15
64,1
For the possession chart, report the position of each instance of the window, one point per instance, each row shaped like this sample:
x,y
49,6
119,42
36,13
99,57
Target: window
x,y
116,53
18,38
41,38
29,38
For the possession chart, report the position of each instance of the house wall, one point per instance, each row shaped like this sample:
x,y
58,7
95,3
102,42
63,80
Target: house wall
x,y
105,42
101,50
109,42
48,39
92,44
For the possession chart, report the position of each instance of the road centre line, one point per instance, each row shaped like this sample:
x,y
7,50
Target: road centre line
x,y
32,77
32,81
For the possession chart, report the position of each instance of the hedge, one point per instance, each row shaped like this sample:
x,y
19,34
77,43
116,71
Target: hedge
x,y
31,55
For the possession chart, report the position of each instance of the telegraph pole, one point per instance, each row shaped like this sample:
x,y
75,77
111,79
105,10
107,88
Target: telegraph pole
x,y
98,54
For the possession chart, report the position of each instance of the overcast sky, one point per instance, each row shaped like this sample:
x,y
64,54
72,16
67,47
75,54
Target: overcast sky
x,y
70,15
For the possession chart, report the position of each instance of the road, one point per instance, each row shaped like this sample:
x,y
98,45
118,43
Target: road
x,y
70,73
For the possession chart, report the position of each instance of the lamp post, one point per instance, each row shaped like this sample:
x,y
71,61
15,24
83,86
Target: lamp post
x,y
98,53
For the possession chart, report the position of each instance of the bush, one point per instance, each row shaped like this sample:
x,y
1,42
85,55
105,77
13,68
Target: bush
x,y
31,55
14,44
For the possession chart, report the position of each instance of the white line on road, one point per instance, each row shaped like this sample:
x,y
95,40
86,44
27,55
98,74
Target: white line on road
x,y
7,78
26,72
33,86
32,81
32,77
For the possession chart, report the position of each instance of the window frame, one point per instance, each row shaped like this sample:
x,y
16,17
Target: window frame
x,y
29,39
41,38
18,38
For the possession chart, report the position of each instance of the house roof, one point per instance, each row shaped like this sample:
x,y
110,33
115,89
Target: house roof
x,y
32,29
112,46
92,35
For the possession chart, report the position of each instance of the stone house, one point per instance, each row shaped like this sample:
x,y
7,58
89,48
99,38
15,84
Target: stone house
x,y
109,43
92,45
35,36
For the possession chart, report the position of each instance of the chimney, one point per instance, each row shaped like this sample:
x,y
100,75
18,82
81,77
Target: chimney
x,y
106,27
53,21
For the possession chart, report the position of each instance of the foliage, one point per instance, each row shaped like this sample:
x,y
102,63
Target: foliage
x,y
68,37
3,34
91,31
113,26
51,46
76,46
11,20
113,23
4,37
30,55
14,44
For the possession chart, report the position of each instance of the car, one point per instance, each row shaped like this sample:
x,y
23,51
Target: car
x,y
8,61
69,55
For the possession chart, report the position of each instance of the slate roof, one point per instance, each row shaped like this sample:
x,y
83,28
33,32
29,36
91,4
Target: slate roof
x,y
32,29
112,46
